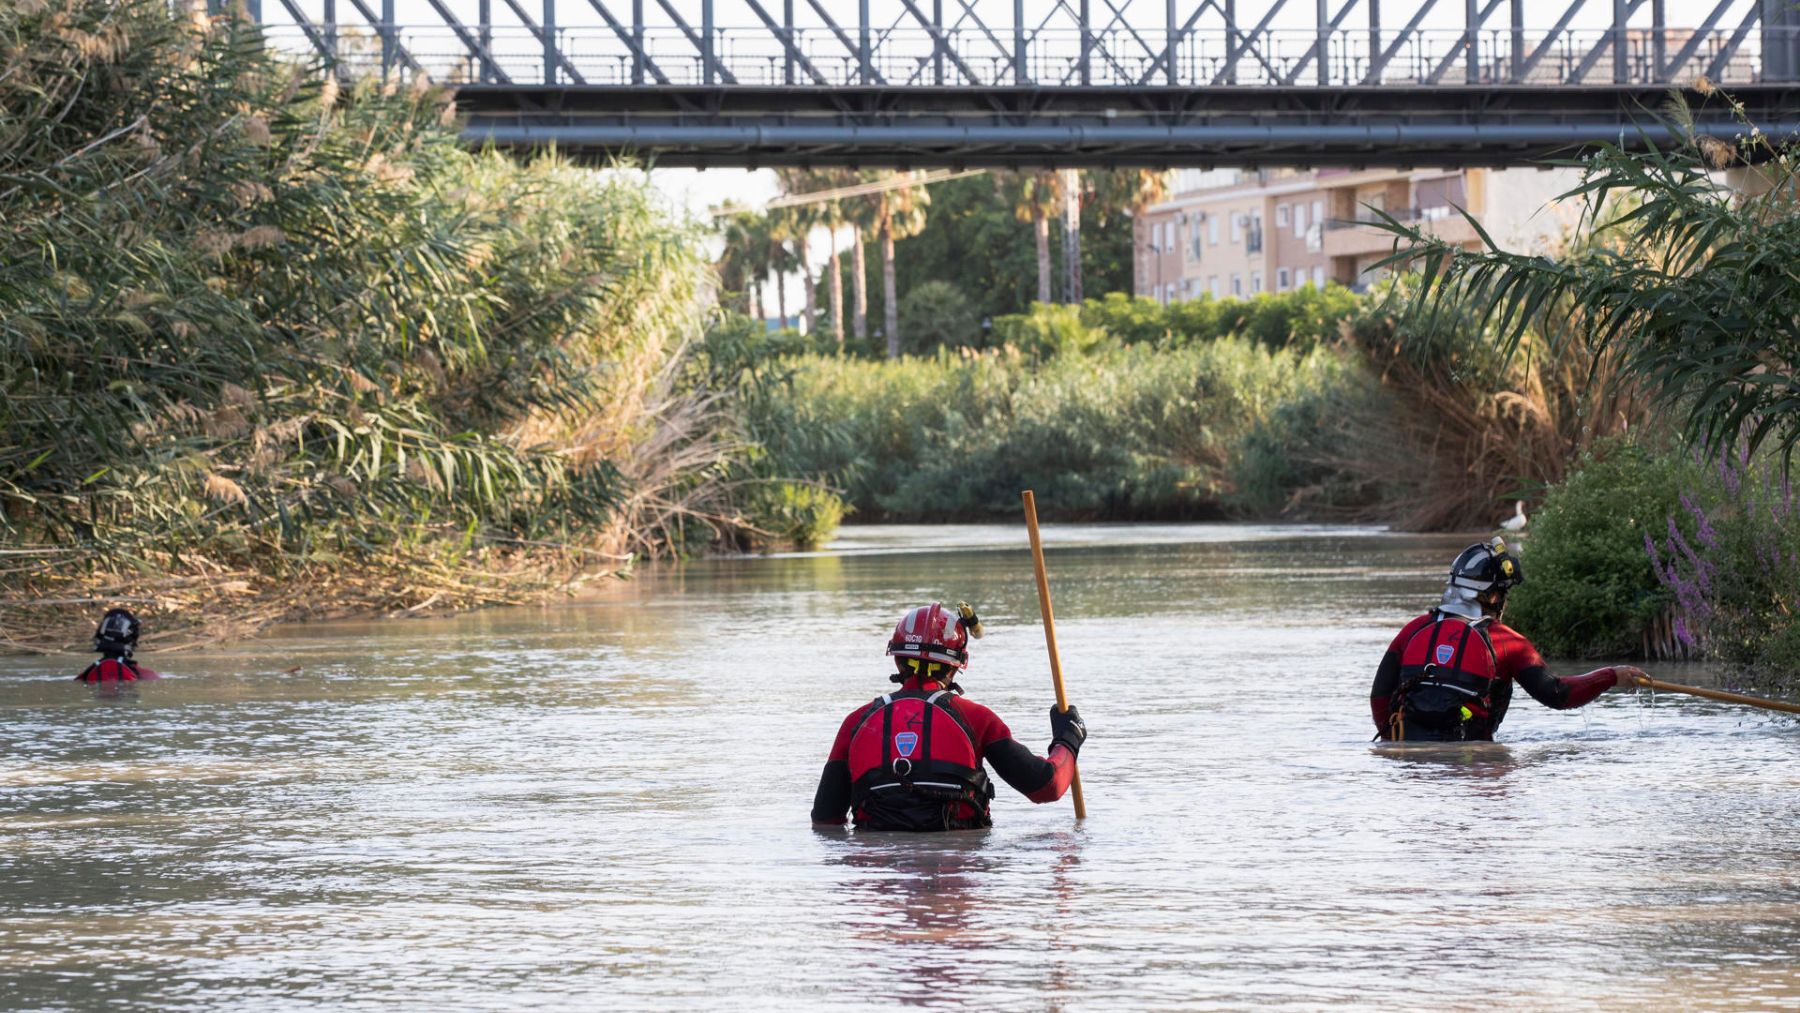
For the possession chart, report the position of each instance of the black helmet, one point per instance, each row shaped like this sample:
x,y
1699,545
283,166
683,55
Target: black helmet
x,y
117,633
1484,566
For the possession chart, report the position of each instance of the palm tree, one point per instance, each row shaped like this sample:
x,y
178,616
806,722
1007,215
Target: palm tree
x,y
784,230
741,263
861,213
1036,196
900,214
1071,188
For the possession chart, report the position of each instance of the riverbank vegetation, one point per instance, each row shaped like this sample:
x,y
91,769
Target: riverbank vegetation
x,y
273,346
1682,288
1319,405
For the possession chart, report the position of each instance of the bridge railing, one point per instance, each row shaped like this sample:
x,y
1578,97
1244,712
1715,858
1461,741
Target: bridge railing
x,y
964,57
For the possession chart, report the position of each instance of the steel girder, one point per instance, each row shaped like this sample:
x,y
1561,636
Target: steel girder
x,y
1070,82
1070,127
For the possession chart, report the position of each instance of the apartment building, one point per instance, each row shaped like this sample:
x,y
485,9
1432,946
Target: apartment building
x,y
1242,233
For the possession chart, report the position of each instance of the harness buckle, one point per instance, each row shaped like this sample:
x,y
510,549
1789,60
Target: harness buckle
x,y
898,760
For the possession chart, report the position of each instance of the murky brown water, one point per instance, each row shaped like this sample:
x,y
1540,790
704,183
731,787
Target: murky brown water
x,y
604,805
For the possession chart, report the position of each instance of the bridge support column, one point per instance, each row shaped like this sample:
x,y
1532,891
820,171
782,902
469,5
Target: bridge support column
x,y
637,39
864,52
387,37
1020,78
1518,41
484,29
329,30
1621,52
1780,40
549,41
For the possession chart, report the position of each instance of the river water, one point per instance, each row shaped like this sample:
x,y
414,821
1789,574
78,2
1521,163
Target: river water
x,y
602,804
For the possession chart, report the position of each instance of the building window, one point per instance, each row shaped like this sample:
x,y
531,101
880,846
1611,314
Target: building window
x,y
1255,282
1212,230
1319,212
1194,241
1254,243
1237,286
1168,243
1237,228
1212,286
1299,221
1319,277
1281,216
1169,293
1281,279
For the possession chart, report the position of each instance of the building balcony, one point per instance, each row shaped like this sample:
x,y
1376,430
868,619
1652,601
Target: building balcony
x,y
1360,237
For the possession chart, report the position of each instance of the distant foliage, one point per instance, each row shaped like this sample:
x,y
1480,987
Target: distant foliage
x,y
1120,433
1303,318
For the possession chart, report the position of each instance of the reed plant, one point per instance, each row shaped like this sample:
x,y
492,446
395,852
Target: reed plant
x,y
270,332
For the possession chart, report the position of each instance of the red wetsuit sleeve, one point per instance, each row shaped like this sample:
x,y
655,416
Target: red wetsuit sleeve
x,y
832,799
1520,661
1038,778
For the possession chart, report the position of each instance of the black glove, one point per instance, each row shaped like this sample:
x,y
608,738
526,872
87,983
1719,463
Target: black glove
x,y
1067,728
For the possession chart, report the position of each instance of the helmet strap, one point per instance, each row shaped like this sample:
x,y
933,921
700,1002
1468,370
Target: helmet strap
x,y
930,671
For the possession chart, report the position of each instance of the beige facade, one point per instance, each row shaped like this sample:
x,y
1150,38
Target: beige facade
x,y
1239,234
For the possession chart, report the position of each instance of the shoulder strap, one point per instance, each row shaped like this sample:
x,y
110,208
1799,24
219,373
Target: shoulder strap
x,y
945,705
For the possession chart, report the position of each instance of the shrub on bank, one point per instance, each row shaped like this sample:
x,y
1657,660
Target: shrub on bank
x,y
1590,590
1302,317
1120,433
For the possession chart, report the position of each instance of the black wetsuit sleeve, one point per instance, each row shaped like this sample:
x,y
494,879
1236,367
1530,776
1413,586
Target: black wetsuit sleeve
x,y
1387,677
832,800
1545,688
1018,766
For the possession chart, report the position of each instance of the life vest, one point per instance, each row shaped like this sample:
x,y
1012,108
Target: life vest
x,y
111,670
1448,674
914,766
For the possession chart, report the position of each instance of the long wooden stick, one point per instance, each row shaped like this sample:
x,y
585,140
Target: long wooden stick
x,y
1719,694
1043,588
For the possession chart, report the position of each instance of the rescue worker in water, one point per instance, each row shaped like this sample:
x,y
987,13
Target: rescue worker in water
x,y
912,759
114,640
1448,676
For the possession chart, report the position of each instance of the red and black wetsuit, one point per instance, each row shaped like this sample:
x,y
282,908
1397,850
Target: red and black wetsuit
x,y
116,670
1515,661
1038,778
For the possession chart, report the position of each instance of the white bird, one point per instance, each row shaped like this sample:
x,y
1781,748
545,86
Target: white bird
x,y
1517,521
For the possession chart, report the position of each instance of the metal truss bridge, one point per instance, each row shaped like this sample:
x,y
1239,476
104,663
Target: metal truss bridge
x,y
1070,83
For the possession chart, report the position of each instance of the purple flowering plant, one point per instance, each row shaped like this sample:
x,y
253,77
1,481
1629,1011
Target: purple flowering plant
x,y
1730,557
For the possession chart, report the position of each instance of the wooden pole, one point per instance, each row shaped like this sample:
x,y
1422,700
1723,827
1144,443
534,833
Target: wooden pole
x,y
1043,590
1719,694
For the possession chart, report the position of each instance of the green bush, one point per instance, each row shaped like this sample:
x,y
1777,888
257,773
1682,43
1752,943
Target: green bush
x,y
937,315
1303,318
799,514
1590,591
1120,433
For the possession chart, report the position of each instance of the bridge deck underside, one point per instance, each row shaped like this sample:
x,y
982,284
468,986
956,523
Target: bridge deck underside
x,y
1101,127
